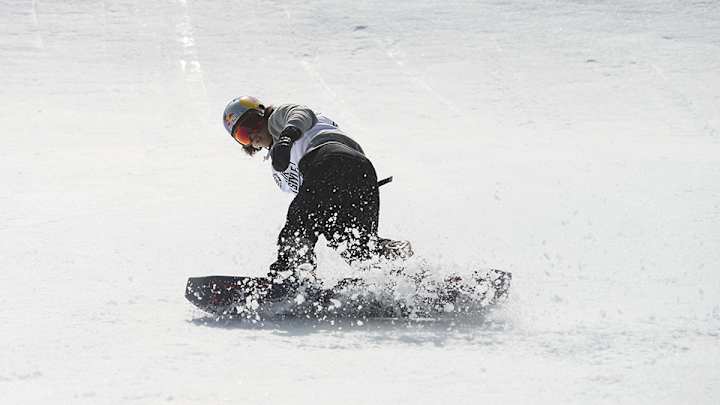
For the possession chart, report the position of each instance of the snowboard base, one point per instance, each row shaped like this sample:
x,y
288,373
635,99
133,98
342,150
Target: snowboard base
x,y
259,298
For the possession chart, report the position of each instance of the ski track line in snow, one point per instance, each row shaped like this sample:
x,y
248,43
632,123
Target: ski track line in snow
x,y
39,43
414,77
687,103
410,74
20,225
679,95
394,51
190,62
105,38
104,31
506,90
313,72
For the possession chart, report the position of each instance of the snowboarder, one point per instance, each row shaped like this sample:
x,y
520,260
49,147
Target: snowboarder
x,y
335,184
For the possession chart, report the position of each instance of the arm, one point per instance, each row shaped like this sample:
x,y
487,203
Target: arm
x,y
290,121
293,115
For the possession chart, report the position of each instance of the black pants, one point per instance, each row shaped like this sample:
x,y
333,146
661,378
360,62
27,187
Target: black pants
x,y
338,199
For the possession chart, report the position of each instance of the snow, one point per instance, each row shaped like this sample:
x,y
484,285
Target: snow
x,y
576,144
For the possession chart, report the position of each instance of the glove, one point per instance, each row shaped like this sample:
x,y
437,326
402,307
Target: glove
x,y
280,153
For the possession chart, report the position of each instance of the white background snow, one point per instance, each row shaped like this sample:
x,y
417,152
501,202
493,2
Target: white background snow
x,y
574,143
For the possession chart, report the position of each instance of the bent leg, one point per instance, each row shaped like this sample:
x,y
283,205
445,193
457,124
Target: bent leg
x,y
297,239
353,210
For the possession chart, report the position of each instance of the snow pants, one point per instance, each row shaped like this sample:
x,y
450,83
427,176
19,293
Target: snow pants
x,y
338,199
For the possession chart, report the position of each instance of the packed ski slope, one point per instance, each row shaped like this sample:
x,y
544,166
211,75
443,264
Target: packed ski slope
x,y
574,143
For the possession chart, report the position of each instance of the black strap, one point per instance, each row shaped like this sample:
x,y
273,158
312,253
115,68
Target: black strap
x,y
384,181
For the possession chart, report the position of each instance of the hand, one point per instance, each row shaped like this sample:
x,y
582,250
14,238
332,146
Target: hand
x,y
294,133
280,153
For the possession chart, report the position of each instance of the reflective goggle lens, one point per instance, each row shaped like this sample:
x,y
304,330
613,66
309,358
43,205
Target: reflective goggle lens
x,y
242,135
250,121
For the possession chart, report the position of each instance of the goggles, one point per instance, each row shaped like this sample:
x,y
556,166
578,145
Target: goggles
x,y
247,124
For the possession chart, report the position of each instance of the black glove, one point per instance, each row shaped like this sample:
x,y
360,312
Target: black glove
x,y
280,153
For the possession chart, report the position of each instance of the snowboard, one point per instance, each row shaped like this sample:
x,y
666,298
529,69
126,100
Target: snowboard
x,y
258,298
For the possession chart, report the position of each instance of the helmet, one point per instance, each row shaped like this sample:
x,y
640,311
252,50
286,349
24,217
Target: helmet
x,y
239,106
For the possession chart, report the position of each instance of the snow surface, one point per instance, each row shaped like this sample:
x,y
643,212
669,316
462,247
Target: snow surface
x,y
574,143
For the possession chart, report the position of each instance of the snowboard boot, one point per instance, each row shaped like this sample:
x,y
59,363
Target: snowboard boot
x,y
394,249
288,281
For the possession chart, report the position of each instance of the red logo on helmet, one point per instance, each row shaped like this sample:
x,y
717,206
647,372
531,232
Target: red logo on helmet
x,y
229,119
